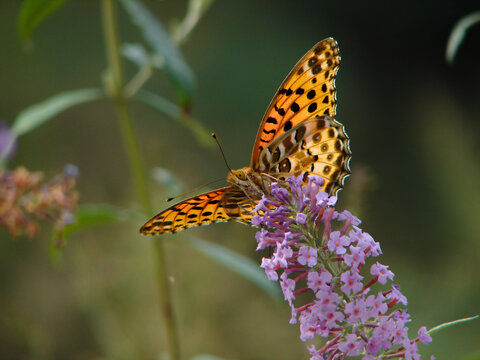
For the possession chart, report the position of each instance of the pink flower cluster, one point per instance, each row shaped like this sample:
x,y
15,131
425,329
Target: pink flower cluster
x,y
320,251
25,198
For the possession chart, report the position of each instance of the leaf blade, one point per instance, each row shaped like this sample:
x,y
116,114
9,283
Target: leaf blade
x,y
207,357
237,263
451,323
458,34
160,41
161,104
91,215
33,12
37,114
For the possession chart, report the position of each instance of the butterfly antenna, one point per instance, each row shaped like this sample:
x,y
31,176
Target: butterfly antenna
x,y
221,150
191,191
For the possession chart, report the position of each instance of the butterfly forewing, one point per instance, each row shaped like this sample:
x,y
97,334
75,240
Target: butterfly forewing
x,y
308,90
317,146
215,206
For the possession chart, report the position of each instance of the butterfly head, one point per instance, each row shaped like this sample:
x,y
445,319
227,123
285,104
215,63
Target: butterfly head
x,y
250,182
240,177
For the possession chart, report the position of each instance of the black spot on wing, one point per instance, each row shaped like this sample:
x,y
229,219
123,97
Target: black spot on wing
x,y
294,107
272,131
287,126
312,61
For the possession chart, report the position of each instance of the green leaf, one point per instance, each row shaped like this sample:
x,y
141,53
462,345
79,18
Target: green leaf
x,y
160,41
161,104
474,356
458,34
451,323
196,9
167,178
33,12
91,215
206,357
142,58
88,216
137,54
239,264
36,115
55,248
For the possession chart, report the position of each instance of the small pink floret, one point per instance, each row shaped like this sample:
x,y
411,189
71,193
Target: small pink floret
x,y
307,256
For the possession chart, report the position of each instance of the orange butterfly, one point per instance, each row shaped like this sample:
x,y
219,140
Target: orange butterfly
x,y
298,136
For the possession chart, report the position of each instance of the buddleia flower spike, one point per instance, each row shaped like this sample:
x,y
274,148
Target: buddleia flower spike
x,y
323,253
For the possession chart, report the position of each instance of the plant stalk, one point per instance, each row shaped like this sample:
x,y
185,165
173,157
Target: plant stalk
x,y
122,105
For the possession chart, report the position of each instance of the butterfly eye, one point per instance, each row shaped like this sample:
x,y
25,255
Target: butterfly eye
x,y
242,176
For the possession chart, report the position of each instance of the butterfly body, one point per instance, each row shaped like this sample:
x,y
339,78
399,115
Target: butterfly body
x,y
298,136
253,184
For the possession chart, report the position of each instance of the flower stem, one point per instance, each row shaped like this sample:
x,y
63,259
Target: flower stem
x,y
122,105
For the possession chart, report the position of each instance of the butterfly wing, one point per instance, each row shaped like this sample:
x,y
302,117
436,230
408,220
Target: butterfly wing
x,y
308,90
317,146
219,205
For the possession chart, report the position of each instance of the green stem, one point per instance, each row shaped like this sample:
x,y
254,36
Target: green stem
x,y
138,81
122,106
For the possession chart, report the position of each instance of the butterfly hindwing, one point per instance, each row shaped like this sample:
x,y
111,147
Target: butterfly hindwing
x,y
317,146
219,205
308,90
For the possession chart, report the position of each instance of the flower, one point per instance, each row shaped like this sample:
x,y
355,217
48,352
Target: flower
x,y
351,282
301,218
356,311
307,256
311,256
24,198
352,345
423,336
319,280
8,142
382,272
338,243
356,257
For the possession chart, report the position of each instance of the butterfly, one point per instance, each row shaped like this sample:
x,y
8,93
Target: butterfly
x,y
298,136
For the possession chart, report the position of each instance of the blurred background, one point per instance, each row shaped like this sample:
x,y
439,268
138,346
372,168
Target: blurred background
x,y
414,126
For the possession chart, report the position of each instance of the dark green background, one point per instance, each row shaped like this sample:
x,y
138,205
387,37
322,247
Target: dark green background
x,y
414,128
